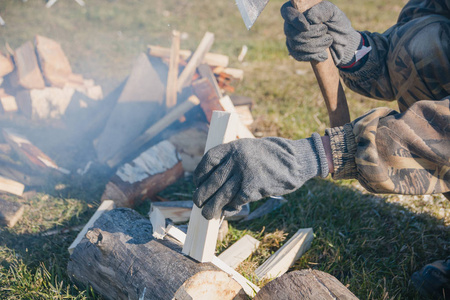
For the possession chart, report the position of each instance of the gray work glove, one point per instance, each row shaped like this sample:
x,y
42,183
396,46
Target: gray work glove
x,y
323,26
246,170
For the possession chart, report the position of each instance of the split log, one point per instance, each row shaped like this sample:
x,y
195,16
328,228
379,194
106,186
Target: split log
x,y
285,257
145,176
244,114
10,212
239,251
202,233
6,65
138,107
30,154
154,130
11,186
172,77
7,103
47,103
212,59
186,75
305,285
190,143
54,63
27,73
120,259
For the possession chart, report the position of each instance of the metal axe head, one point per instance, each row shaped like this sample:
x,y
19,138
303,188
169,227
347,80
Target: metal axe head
x,y
250,10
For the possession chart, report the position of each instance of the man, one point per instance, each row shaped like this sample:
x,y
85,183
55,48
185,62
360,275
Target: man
x,y
406,152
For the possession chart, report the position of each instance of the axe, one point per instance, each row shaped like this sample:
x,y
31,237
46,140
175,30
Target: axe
x,y
326,72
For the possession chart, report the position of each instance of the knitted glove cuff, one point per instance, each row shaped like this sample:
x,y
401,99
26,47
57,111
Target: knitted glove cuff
x,y
323,162
354,42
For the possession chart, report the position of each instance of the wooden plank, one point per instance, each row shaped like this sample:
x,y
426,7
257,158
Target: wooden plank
x,y
172,77
154,130
196,59
209,99
249,288
11,186
104,207
212,59
6,65
286,256
28,74
202,234
139,106
239,251
10,212
53,62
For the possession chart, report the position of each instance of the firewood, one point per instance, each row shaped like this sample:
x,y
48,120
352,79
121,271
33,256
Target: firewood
x,y
286,256
180,211
148,174
7,103
27,73
138,106
209,99
239,251
11,186
245,115
154,130
54,64
212,59
172,77
10,212
114,253
30,154
196,59
47,103
205,71
202,233
6,65
307,285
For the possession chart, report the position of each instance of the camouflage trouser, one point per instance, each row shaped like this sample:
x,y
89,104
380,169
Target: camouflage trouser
x,y
406,152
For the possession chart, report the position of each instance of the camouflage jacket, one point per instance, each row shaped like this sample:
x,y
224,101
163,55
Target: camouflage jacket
x,y
405,152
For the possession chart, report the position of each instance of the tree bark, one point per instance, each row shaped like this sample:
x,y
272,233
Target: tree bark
x,y
305,284
120,259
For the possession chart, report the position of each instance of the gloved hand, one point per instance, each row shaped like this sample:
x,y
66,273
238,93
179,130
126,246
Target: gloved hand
x,y
246,170
324,25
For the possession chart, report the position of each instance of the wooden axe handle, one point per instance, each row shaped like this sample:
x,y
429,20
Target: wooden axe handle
x,y
328,78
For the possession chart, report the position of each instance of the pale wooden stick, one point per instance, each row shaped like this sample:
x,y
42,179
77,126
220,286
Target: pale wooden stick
x,y
172,77
202,234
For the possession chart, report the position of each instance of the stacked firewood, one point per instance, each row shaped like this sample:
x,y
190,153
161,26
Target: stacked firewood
x,y
149,131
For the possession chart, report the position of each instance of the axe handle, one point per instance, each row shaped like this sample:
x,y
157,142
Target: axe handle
x,y
328,78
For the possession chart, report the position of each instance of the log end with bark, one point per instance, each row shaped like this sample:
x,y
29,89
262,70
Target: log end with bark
x,y
305,285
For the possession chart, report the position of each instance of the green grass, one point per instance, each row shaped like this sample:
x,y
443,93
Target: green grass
x,y
371,243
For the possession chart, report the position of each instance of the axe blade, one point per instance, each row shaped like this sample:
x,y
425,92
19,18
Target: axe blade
x,y
250,10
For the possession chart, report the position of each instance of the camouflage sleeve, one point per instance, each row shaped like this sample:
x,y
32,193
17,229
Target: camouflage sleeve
x,y
388,67
391,152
